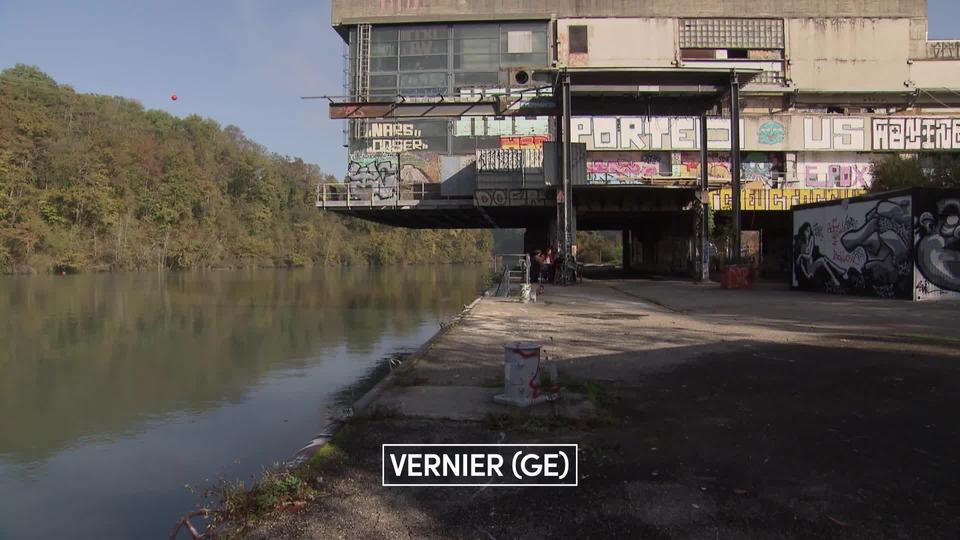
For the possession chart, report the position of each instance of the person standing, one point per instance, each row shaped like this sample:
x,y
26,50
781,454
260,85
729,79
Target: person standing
x,y
548,264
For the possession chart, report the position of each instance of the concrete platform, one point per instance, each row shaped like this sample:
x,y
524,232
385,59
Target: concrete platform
x,y
474,403
763,413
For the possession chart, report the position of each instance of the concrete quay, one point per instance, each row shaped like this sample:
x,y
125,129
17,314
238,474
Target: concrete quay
x,y
700,413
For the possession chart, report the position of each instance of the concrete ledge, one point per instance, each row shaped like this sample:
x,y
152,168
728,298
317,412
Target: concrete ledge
x,y
474,403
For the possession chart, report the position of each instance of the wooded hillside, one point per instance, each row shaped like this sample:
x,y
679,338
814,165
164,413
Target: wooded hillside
x,y
98,182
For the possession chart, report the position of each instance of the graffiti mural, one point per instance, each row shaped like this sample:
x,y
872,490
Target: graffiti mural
x,y
469,126
718,165
762,167
373,175
912,133
756,167
524,142
649,133
393,138
511,197
771,133
943,49
827,133
620,168
419,167
380,175
509,160
834,170
937,247
855,248
777,199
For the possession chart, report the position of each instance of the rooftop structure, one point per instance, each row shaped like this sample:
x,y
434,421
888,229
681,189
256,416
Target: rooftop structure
x,y
455,114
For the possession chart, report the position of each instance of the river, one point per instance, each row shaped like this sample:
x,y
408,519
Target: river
x,y
121,394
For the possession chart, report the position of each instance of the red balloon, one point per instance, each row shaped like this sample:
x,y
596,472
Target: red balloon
x,y
173,97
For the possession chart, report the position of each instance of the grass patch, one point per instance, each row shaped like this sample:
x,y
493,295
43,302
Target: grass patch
x,y
595,391
242,507
370,414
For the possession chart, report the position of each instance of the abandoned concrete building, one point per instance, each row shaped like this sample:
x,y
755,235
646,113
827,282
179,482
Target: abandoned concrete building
x,y
558,115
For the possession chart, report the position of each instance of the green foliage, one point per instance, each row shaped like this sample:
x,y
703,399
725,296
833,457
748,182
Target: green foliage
x,y
89,181
933,170
276,489
599,247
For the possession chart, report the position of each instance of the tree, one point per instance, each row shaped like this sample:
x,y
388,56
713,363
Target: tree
x,y
98,181
931,170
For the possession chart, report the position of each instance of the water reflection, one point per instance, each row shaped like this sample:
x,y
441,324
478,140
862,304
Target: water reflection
x,y
94,368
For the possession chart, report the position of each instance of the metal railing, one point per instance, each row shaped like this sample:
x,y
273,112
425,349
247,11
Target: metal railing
x,y
348,194
509,160
514,269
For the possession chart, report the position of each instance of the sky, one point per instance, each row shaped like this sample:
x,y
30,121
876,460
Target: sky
x,y
241,62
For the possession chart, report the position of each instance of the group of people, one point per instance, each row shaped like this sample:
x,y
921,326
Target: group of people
x,y
546,266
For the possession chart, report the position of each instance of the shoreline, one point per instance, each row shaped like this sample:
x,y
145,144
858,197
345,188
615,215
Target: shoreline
x,y
685,384
33,272
316,445
301,459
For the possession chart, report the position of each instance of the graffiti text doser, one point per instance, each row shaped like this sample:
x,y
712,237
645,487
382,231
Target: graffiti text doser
x,y
390,138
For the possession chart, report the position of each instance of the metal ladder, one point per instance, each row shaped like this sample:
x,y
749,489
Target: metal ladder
x,y
361,84
515,274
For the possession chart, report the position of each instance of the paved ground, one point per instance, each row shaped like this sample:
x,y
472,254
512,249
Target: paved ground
x,y
720,414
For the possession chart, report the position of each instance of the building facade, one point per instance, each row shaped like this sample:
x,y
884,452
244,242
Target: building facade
x,y
834,87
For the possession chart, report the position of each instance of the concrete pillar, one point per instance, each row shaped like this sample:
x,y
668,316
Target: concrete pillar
x,y
701,263
735,158
625,241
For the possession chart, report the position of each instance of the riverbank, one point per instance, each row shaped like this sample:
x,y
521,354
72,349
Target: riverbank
x,y
201,375
711,414
60,269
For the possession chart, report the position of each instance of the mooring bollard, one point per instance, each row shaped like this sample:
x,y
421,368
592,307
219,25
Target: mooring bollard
x,y
521,375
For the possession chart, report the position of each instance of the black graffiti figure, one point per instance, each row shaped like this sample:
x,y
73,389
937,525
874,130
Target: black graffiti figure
x,y
378,177
885,239
938,249
812,268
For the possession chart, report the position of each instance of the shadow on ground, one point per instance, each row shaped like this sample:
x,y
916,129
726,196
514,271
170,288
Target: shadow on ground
x,y
760,441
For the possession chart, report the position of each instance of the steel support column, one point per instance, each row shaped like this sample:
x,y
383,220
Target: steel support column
x,y
735,158
702,265
568,213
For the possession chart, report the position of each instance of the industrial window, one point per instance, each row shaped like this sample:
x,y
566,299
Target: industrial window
x,y
729,34
578,39
523,45
445,59
520,42
425,59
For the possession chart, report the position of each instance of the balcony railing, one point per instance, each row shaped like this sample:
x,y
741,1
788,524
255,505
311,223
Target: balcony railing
x,y
509,160
348,195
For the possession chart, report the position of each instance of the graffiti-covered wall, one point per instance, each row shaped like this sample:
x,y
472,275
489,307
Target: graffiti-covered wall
x,y
937,244
902,245
860,247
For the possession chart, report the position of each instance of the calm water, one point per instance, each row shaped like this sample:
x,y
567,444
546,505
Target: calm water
x,y
117,391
